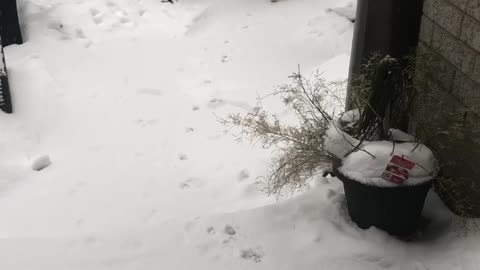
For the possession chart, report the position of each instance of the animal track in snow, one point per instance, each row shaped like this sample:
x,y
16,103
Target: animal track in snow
x,y
250,254
80,34
229,230
215,103
69,32
97,16
227,242
243,174
113,15
57,26
211,230
146,123
374,259
225,59
191,183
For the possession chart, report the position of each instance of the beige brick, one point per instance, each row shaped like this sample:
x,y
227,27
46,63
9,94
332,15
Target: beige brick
x,y
435,110
453,50
461,4
452,130
444,14
467,91
476,71
426,31
473,8
434,66
471,33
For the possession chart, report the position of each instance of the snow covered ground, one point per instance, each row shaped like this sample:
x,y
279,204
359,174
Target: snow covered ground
x,y
122,96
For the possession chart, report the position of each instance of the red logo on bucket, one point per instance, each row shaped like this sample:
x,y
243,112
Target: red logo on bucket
x,y
397,170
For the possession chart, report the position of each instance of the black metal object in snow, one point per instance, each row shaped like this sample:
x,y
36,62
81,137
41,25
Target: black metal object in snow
x,y
9,23
5,99
10,33
388,27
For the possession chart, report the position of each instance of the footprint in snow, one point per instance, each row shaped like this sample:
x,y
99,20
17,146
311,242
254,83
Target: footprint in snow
x,y
124,19
61,29
229,230
375,259
211,230
97,16
215,103
80,34
252,189
191,182
113,16
243,174
225,59
146,123
189,130
195,108
182,157
251,255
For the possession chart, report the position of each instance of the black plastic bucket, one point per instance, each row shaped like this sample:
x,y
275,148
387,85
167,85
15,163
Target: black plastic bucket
x,y
396,210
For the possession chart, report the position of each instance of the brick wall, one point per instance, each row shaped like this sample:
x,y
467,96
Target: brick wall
x,y
447,108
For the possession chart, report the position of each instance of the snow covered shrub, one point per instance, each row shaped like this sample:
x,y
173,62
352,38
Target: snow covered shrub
x,y
386,173
367,137
300,152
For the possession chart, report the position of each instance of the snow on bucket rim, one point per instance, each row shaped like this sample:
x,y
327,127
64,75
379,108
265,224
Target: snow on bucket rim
x,y
362,167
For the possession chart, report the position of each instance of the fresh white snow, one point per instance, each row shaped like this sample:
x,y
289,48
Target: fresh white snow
x,y
123,96
339,143
369,161
361,166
